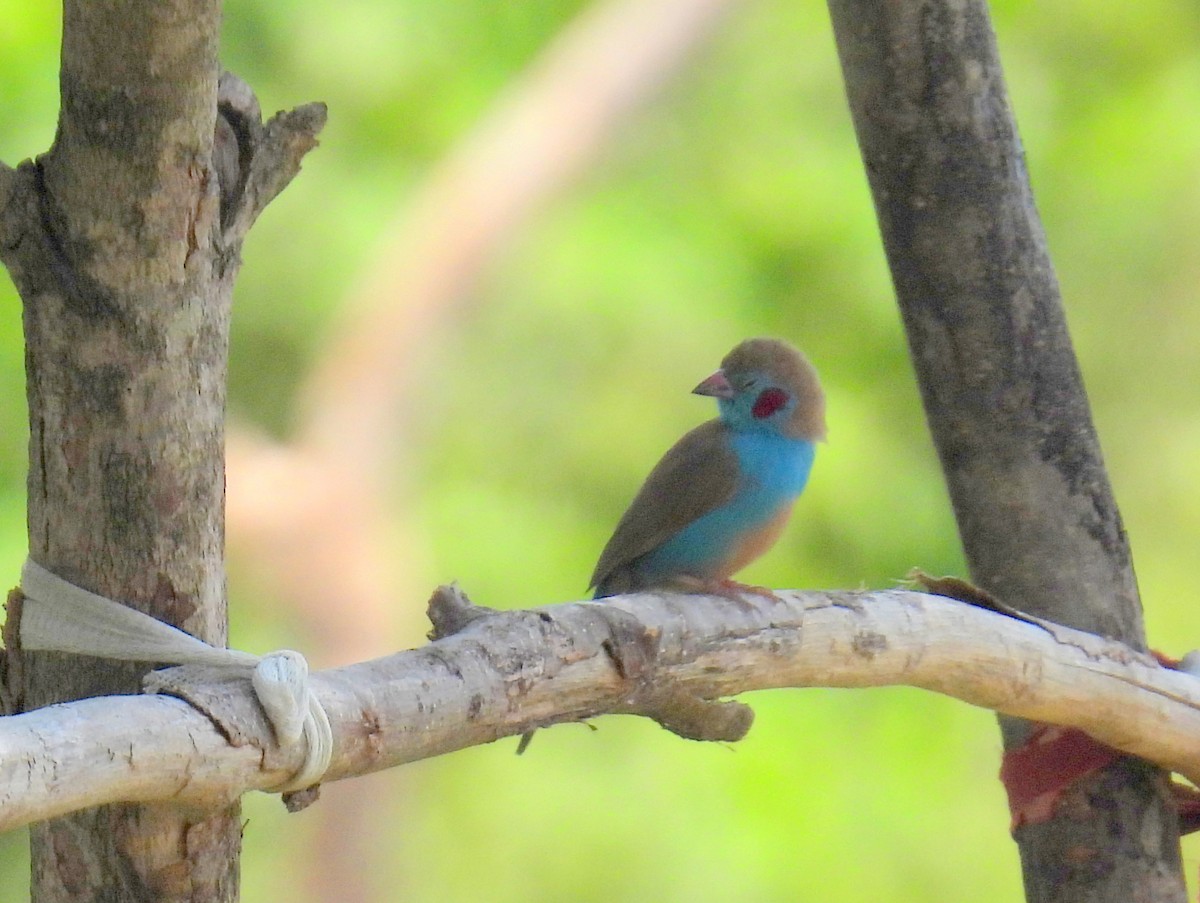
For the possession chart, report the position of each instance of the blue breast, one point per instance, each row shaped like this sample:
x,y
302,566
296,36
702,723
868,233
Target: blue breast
x,y
773,469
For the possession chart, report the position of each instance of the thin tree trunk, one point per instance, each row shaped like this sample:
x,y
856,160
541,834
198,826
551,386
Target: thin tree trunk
x,y
127,332
1003,396
123,243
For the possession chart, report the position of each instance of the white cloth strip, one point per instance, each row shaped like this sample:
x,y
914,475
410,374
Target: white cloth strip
x,y
58,616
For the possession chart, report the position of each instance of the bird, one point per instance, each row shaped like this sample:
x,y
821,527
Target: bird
x,y
721,496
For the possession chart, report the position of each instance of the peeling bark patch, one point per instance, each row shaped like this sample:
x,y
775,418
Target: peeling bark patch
x,y
694,718
170,605
299,800
869,644
631,647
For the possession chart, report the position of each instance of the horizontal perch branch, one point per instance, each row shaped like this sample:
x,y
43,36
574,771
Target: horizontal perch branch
x,y
493,674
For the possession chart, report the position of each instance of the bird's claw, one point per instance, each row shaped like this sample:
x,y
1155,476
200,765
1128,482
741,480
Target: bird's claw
x,y
732,590
754,589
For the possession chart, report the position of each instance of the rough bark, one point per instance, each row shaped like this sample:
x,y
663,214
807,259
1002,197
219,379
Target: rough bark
x,y
1003,395
494,674
123,244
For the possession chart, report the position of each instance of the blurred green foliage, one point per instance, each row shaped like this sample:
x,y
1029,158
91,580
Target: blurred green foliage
x,y
733,205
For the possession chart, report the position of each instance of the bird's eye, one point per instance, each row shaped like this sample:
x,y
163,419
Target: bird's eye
x,y
768,402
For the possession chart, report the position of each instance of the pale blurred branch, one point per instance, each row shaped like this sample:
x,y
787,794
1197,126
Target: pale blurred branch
x,y
665,656
544,130
312,510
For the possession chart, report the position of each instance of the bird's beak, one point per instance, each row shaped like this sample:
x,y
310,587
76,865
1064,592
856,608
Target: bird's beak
x,y
716,386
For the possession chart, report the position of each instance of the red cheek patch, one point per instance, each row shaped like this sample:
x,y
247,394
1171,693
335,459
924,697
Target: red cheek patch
x,y
768,402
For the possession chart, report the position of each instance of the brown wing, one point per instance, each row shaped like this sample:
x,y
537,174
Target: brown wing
x,y
697,474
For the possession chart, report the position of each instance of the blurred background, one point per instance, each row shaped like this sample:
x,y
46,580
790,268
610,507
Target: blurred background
x,y
469,328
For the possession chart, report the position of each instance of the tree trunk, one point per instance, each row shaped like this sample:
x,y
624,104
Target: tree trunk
x,y
126,324
1003,396
119,242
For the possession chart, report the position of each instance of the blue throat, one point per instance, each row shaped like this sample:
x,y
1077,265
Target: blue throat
x,y
773,471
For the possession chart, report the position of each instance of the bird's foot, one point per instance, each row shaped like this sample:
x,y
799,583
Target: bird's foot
x,y
731,590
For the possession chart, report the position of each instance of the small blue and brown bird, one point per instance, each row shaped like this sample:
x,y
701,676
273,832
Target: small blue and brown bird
x,y
720,497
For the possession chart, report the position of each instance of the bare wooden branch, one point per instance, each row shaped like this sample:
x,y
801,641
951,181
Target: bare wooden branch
x,y
663,656
260,160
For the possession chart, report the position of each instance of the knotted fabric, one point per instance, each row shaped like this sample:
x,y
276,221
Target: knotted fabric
x,y
58,616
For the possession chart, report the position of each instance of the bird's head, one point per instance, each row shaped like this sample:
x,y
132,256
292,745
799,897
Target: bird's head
x,y
766,384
